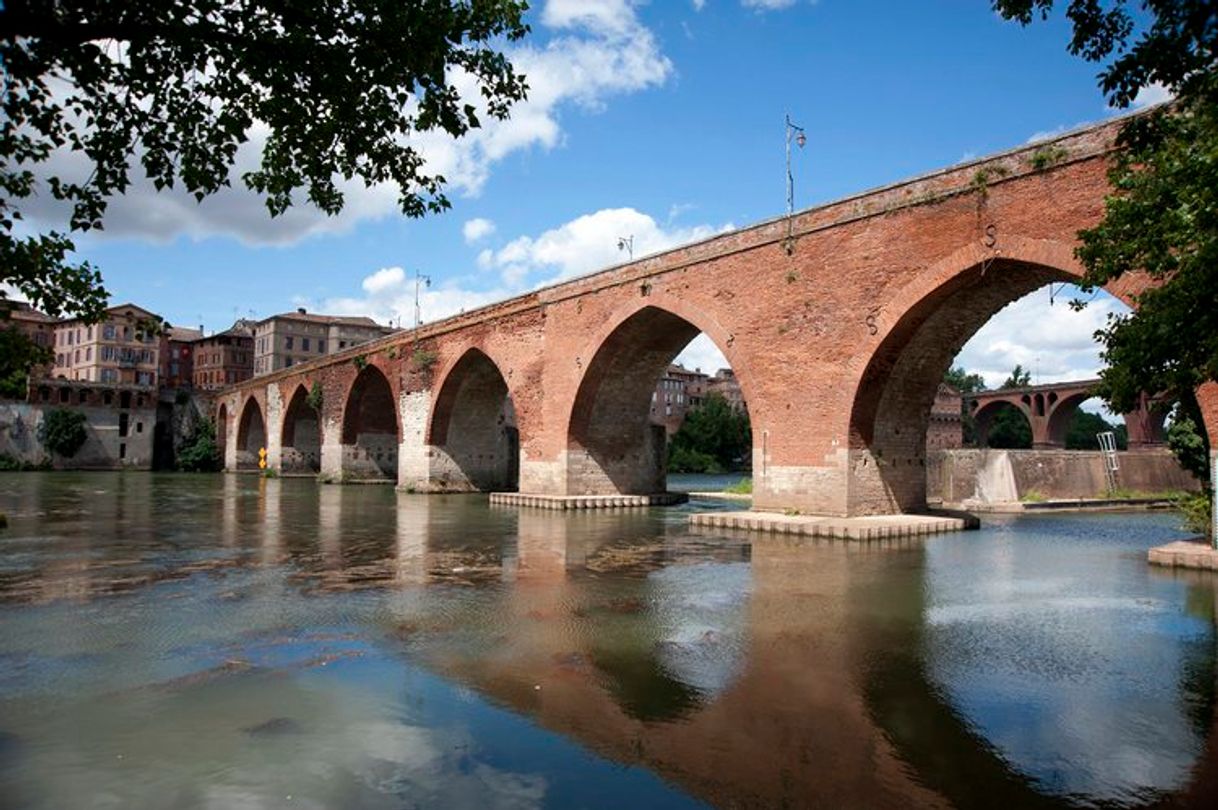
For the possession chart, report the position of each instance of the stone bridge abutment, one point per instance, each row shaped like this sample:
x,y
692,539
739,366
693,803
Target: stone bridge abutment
x,y
839,344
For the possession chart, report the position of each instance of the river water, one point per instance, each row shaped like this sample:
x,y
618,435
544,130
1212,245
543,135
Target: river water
x,y
175,641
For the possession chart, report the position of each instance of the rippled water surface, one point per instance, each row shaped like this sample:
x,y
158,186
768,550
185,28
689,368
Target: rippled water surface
x,y
233,642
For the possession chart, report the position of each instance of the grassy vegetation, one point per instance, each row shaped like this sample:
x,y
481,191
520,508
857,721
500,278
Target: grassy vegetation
x,y
1196,510
742,487
1033,496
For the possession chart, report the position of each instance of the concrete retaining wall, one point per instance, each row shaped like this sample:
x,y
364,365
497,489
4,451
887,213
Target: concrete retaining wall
x,y
997,476
104,449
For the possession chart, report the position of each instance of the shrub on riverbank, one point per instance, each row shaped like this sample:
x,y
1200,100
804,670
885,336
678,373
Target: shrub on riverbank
x,y
1196,508
199,452
10,464
62,432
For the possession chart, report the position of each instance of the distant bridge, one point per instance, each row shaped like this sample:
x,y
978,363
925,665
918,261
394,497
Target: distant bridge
x,y
1049,409
838,322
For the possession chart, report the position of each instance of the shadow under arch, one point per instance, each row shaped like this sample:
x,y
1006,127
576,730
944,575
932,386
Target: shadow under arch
x,y
472,431
251,435
222,432
301,436
371,433
612,446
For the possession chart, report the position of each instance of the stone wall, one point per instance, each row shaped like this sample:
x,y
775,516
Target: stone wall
x,y
104,449
998,476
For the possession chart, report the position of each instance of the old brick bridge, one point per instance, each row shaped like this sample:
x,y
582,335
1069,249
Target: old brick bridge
x,y
839,324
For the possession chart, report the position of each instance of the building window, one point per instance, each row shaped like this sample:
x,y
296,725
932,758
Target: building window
x,y
88,354
287,361
287,342
342,344
76,357
321,347
122,425
139,427
108,331
109,375
304,344
122,450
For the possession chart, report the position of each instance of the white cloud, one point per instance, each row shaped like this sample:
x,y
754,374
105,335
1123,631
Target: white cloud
x,y
476,229
1054,342
699,5
588,243
1151,95
767,5
596,50
702,353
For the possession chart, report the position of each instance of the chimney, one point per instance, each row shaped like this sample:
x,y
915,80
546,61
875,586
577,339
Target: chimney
x,y
300,310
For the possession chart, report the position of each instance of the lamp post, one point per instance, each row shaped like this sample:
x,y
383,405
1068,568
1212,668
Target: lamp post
x,y
626,243
795,133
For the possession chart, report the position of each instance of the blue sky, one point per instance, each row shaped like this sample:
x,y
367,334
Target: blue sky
x,y
662,121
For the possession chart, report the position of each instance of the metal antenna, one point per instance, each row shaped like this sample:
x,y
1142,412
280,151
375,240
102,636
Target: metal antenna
x,y
418,314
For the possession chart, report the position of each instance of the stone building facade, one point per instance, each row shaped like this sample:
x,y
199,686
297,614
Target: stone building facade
x,y
225,358
121,350
946,428
282,341
177,356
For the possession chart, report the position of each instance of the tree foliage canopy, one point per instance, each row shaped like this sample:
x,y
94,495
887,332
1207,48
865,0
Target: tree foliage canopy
x,y
337,88
713,438
1163,215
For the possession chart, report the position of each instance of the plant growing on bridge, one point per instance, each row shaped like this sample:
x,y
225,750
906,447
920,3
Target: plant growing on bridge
x,y
176,87
424,359
315,399
1047,157
360,361
62,432
1162,217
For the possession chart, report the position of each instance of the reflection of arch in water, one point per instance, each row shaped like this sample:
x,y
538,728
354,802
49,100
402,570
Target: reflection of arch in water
x,y
474,439
944,749
301,443
370,428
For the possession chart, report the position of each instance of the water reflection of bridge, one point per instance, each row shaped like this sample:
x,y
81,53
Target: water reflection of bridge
x,y
807,685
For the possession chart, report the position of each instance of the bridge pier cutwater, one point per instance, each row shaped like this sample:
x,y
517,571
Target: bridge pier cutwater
x,y
838,344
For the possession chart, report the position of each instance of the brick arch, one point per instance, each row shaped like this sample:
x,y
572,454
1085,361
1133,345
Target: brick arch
x,y
984,417
1061,412
611,445
939,311
301,434
371,431
369,406
472,428
251,434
